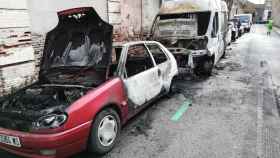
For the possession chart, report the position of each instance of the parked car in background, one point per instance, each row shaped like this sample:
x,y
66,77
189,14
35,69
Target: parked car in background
x,y
246,21
84,95
240,28
234,31
198,33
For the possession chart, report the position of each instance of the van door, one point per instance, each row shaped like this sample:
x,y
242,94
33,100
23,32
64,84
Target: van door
x,y
215,34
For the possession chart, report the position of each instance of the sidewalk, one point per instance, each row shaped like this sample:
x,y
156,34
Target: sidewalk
x,y
276,29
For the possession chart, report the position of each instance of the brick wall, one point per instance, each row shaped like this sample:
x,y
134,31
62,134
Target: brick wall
x,y
17,65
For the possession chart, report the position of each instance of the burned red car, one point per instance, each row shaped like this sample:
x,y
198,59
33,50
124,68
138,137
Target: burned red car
x,y
85,92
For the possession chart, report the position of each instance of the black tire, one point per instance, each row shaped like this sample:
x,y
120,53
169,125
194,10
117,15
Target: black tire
x,y
224,52
208,67
205,68
173,88
95,146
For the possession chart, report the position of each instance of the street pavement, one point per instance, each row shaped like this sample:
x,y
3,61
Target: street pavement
x,y
233,113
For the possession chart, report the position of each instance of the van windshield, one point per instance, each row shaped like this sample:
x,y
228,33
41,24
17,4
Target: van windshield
x,y
182,25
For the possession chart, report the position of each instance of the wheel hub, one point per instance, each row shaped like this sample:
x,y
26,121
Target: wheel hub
x,y
107,130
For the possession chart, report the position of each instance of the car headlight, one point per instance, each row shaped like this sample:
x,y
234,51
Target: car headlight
x,y
50,121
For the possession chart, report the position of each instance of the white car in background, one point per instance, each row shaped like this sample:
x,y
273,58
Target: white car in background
x,y
246,21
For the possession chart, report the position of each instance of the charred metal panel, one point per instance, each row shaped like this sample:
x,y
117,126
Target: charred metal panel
x,y
143,87
170,27
81,39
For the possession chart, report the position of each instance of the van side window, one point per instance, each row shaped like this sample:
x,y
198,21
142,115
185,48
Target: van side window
x,y
215,25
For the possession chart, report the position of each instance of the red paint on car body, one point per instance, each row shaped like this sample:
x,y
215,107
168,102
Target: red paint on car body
x,y
72,137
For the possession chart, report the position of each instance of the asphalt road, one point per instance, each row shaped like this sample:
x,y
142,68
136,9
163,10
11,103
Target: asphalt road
x,y
233,114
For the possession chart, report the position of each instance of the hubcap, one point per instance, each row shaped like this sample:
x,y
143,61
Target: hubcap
x,y
107,130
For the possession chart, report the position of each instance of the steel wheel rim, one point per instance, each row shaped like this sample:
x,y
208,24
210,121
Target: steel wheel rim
x,y
107,130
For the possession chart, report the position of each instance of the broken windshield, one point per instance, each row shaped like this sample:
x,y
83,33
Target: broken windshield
x,y
182,25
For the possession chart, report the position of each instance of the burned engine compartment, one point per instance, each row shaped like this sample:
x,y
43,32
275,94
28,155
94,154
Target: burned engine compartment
x,y
19,110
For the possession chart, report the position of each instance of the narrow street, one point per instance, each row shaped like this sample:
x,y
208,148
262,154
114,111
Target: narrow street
x,y
234,113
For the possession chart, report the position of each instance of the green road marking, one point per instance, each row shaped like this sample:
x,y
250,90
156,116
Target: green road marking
x,y
180,112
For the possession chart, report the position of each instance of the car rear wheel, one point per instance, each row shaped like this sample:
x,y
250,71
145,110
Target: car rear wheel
x,y
173,87
105,131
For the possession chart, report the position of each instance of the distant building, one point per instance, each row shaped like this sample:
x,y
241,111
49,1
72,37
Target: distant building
x,y
267,10
259,13
276,12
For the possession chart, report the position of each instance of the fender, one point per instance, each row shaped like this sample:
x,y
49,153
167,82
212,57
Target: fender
x,y
85,109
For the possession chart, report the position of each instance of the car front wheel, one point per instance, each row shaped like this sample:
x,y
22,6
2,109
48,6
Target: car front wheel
x,y
105,131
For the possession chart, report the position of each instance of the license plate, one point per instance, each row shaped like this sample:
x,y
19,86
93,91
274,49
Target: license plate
x,y
10,140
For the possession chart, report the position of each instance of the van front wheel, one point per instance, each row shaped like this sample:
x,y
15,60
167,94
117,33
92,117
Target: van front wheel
x,y
205,68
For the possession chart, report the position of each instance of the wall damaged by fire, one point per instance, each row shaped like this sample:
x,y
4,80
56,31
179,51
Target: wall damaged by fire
x,y
132,20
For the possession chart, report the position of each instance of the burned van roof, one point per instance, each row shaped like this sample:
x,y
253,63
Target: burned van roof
x,y
187,6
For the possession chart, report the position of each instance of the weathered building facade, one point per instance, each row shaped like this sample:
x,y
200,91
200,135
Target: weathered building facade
x,y
131,19
267,10
276,12
16,54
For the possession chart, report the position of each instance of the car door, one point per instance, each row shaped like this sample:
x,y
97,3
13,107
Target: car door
x,y
142,78
163,63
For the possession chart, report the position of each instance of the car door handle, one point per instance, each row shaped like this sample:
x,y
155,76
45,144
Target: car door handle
x,y
159,72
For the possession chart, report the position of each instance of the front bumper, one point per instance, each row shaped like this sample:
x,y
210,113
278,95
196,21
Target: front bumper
x,y
191,60
64,144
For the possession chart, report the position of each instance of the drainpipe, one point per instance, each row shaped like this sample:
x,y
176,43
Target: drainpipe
x,y
108,17
141,31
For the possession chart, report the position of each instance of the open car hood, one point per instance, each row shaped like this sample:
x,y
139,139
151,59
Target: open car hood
x,y
81,40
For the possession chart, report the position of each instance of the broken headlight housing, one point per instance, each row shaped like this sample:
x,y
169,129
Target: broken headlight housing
x,y
50,121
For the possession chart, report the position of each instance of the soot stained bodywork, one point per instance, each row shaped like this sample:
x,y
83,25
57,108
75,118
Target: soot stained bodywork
x,y
76,59
81,40
189,37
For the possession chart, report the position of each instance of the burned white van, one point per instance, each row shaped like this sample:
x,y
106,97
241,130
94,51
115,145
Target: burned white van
x,y
194,31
